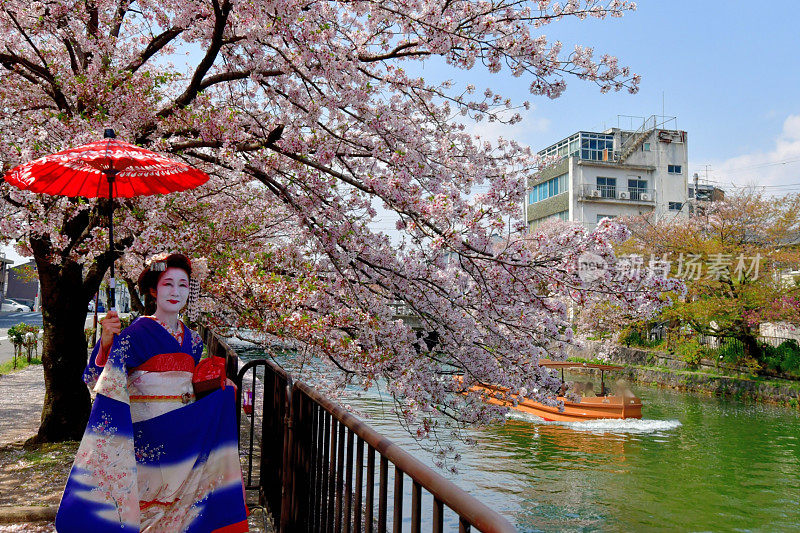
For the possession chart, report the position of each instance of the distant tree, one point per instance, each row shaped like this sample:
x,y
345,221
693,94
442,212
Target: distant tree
x,y
734,259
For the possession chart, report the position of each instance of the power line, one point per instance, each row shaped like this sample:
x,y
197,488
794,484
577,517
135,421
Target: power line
x,y
762,165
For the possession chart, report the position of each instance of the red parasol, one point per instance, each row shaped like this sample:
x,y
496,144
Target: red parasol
x,y
106,169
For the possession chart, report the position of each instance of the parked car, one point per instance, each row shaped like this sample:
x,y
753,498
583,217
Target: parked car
x,y
27,301
100,307
13,306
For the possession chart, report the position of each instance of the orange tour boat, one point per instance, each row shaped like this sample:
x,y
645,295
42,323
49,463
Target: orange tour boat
x,y
624,404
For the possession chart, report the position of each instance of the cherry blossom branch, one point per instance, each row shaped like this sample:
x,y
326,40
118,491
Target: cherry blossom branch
x,y
221,13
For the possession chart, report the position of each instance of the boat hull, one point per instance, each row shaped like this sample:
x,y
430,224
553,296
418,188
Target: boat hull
x,y
593,408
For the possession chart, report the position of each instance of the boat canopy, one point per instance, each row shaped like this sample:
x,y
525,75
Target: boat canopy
x,y
574,364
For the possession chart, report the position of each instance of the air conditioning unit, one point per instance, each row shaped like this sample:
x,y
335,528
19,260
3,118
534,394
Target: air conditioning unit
x,y
645,197
624,195
595,193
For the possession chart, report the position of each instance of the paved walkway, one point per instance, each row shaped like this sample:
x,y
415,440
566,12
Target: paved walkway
x,y
21,400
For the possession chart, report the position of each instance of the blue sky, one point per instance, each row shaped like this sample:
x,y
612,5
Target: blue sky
x,y
729,71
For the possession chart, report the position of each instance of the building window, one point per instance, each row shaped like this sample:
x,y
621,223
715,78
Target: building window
x,y
636,188
675,206
607,187
547,189
645,147
601,217
674,169
596,146
585,145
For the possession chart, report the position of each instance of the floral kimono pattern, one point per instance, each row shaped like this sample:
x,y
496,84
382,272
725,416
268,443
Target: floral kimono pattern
x,y
152,459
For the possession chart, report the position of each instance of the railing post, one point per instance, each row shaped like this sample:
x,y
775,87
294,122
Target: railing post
x,y
337,526
348,485
320,468
330,519
438,515
397,517
324,470
416,507
286,481
383,490
359,485
231,362
370,504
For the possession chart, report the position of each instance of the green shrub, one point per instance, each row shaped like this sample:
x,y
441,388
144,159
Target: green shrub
x,y
24,336
789,353
783,358
691,352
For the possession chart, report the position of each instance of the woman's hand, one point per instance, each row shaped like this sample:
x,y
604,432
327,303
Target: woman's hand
x,y
111,326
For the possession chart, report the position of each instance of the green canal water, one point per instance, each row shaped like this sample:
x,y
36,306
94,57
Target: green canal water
x,y
692,463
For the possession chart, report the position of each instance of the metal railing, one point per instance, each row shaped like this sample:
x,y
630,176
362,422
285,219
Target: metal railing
x,y
318,463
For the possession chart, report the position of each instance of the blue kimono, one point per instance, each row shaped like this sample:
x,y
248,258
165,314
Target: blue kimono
x,y
152,458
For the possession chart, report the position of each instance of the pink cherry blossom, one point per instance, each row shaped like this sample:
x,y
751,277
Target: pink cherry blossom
x,y
309,118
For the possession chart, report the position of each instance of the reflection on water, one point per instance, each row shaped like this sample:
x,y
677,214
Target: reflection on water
x,y
693,463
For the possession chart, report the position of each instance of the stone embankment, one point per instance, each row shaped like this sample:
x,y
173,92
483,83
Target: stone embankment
x,y
654,367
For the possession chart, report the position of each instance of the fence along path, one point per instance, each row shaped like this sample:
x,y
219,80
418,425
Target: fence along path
x,y
319,468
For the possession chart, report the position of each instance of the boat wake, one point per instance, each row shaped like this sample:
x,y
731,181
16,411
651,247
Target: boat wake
x,y
605,425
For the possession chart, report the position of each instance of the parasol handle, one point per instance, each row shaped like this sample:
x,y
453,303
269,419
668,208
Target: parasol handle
x,y
111,173
112,285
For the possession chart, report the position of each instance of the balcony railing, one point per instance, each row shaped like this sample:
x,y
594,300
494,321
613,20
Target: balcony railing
x,y
616,193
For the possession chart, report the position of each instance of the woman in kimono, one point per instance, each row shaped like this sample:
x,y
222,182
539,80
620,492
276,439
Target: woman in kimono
x,y
153,458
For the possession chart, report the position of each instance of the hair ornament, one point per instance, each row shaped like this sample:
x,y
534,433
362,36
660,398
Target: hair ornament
x,y
199,273
157,263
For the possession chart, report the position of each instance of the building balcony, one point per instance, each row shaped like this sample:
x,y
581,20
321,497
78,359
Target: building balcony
x,y
615,194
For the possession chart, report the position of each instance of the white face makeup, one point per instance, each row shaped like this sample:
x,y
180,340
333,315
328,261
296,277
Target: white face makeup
x,y
172,291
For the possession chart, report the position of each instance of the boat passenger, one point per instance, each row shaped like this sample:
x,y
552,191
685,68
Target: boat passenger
x,y
623,390
588,390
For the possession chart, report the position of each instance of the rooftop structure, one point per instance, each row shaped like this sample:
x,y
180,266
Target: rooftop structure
x,y
706,193
617,172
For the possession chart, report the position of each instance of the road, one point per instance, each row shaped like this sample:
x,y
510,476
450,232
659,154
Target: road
x,y
8,320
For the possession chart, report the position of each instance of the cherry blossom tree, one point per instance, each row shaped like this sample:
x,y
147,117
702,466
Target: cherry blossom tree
x,y
311,116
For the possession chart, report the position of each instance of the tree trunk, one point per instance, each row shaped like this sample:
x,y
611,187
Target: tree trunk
x,y
67,402
751,346
136,303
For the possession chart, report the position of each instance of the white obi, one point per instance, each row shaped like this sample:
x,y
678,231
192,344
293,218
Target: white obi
x,y
155,393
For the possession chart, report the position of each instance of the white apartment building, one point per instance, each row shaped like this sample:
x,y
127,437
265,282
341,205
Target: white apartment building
x,y
612,174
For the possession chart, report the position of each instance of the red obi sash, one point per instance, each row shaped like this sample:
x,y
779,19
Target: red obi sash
x,y
166,362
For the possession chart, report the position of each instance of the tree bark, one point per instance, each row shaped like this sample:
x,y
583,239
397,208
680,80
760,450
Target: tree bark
x,y
64,352
136,303
751,346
